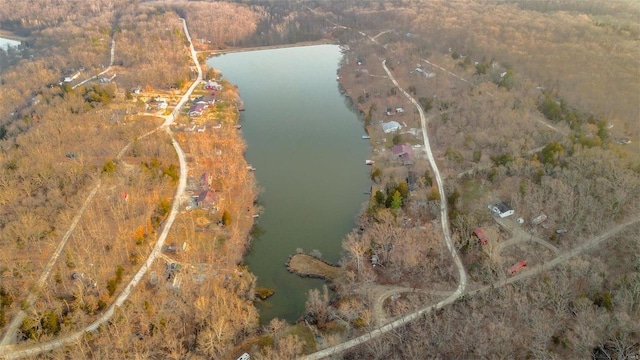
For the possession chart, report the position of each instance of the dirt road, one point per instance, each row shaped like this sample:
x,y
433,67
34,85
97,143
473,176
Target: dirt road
x,y
444,217
588,245
14,351
518,235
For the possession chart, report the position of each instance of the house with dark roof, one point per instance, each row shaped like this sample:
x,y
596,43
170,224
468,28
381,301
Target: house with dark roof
x,y
205,180
501,209
196,109
207,99
404,153
207,199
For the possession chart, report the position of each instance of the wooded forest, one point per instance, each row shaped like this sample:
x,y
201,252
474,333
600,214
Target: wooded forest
x,y
533,103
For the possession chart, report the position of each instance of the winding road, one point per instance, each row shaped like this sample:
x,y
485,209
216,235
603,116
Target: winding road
x,y
462,274
462,285
10,335
16,351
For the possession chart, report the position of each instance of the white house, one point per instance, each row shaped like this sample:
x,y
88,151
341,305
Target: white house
x,y
72,77
391,126
501,209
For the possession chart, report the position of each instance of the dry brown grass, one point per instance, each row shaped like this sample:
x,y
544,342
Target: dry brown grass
x,y
307,265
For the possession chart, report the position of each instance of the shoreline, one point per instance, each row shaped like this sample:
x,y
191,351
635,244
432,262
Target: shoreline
x,y
212,53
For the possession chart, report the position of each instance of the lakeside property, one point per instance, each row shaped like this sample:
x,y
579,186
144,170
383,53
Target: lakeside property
x,y
305,145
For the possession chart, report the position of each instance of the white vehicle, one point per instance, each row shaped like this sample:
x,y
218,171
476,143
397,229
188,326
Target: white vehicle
x,y
244,356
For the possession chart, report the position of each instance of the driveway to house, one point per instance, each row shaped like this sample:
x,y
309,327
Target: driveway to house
x,y
586,246
518,235
113,54
15,351
382,292
532,271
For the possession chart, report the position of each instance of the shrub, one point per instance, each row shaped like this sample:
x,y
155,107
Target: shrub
x,y
434,194
226,218
111,286
109,167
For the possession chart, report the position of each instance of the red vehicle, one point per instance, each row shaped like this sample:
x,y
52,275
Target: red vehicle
x,y
515,268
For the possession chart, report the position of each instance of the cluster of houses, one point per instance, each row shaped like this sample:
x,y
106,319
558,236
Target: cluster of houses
x,y
203,102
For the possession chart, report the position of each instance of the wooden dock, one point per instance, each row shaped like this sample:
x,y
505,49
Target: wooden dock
x,y
239,104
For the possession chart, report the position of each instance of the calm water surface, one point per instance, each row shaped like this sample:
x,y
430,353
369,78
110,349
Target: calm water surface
x,y
306,146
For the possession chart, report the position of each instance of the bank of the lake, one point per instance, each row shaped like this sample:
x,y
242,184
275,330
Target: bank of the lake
x,y
305,144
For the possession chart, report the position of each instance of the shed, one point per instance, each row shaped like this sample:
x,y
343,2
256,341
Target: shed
x,y
517,267
539,219
482,237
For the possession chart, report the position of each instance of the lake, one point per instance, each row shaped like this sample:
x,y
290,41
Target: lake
x,y
306,146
